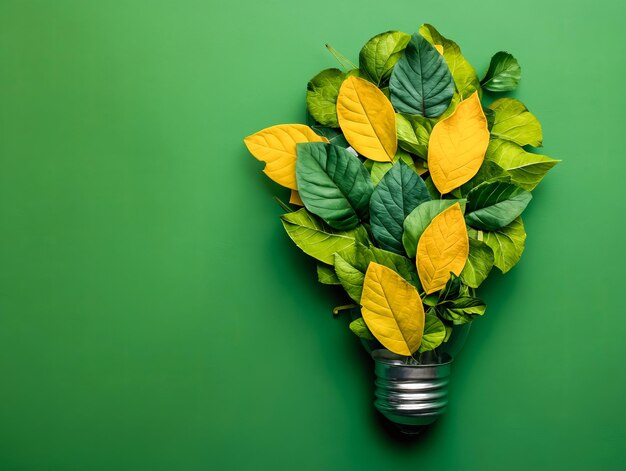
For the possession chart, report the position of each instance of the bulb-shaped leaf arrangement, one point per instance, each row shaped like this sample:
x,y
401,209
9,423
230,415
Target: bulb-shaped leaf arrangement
x,y
409,188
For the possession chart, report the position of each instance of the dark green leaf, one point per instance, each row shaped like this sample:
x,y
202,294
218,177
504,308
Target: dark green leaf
x,y
399,192
526,169
479,263
333,184
403,266
418,220
492,205
334,136
321,96
380,54
421,82
379,169
462,310
504,73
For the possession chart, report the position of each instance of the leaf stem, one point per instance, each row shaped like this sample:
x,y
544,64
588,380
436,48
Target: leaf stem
x,y
343,60
345,307
282,204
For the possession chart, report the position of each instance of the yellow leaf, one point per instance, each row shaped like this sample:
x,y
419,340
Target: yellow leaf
x,y
295,198
457,145
367,119
392,309
276,146
442,248
439,48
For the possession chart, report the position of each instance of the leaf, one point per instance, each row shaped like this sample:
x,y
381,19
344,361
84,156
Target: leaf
x,y
492,205
399,192
333,184
507,244
419,219
359,328
421,82
526,169
367,119
443,248
515,123
462,310
407,137
315,238
350,268
379,169
489,172
276,146
434,333
294,198
479,263
326,275
392,310
457,145
380,54
321,96
504,73
334,136
464,75
352,265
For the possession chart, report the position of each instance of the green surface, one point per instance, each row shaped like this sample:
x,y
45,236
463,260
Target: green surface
x,y
153,314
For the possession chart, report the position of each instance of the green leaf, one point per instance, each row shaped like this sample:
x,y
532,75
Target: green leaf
x,y
462,310
326,275
421,82
379,169
492,205
507,244
434,333
515,123
350,267
526,169
491,117
380,54
401,265
420,218
488,172
452,289
334,136
464,75
315,238
359,328
479,263
407,137
504,73
321,96
399,192
333,184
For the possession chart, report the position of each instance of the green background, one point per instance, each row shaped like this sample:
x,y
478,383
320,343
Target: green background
x,y
153,314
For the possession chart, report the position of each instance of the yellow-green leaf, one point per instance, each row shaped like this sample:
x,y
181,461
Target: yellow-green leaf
x,y
515,123
443,248
276,146
392,310
367,119
457,145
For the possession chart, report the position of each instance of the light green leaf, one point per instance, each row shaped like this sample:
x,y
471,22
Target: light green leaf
x,y
421,82
399,192
434,333
380,54
526,169
321,96
315,238
379,169
407,137
465,78
492,205
420,218
326,275
359,328
479,263
350,267
488,172
515,123
462,310
507,244
333,184
504,73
